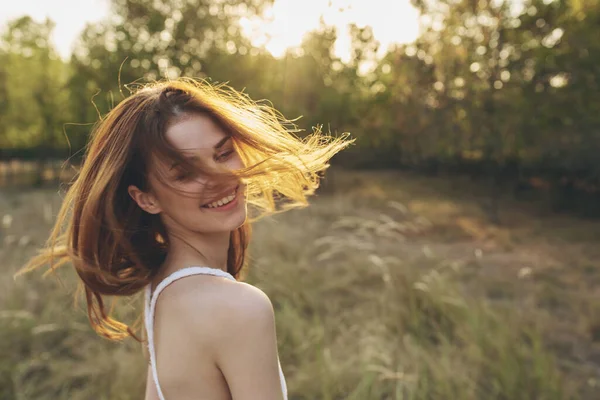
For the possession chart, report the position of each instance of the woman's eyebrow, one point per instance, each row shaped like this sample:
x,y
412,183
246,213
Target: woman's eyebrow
x,y
217,146
221,142
190,158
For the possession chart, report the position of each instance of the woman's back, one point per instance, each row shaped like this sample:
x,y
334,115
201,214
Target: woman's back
x,y
208,327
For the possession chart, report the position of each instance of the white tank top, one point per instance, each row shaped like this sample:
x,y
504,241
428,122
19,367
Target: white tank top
x,y
150,306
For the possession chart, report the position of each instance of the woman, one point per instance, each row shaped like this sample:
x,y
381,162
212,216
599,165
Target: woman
x,y
160,205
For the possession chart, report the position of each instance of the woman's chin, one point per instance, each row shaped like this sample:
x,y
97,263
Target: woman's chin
x,y
230,222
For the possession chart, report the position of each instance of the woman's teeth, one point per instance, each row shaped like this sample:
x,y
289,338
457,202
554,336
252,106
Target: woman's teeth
x,y
222,202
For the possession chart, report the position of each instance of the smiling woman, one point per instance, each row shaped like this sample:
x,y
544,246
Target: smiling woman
x,y
162,195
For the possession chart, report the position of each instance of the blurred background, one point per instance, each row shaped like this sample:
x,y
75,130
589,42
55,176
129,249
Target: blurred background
x,y
452,253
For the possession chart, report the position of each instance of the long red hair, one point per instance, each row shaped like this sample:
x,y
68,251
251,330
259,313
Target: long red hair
x,y
115,247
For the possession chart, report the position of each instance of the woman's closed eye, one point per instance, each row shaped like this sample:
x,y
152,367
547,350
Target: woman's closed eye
x,y
224,155
183,176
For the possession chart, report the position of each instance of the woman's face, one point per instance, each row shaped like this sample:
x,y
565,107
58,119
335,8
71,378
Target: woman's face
x,y
200,208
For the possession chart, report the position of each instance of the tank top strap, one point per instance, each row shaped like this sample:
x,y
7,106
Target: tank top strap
x,y
150,306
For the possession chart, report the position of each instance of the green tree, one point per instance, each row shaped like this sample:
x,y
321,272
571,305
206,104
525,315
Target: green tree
x,y
32,78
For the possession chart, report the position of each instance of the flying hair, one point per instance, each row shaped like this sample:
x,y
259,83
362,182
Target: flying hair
x,y
115,247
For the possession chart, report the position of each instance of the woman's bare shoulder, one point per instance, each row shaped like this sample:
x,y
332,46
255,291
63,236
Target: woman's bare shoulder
x,y
232,326
197,299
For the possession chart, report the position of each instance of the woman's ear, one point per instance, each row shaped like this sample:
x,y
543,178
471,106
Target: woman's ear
x,y
144,200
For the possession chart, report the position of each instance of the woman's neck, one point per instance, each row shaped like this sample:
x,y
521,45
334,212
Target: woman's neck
x,y
197,249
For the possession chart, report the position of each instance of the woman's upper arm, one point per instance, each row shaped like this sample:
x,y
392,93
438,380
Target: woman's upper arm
x,y
246,350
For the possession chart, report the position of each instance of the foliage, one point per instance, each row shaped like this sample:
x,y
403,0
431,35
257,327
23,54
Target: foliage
x,y
33,102
490,87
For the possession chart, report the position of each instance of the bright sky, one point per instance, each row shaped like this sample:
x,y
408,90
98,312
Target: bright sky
x,y
287,21
70,16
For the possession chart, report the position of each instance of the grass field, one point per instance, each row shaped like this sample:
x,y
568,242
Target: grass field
x,y
390,286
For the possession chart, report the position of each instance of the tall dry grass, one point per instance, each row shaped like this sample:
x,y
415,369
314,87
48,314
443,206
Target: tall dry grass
x,y
363,309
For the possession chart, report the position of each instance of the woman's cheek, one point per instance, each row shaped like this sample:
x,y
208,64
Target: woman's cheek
x,y
235,162
181,194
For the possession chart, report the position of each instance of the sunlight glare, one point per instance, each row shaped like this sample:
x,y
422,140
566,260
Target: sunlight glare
x,y
70,17
284,24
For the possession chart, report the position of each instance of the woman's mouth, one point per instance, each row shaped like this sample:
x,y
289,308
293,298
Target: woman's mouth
x,y
226,202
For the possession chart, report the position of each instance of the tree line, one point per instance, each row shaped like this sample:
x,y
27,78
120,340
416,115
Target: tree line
x,y
507,91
